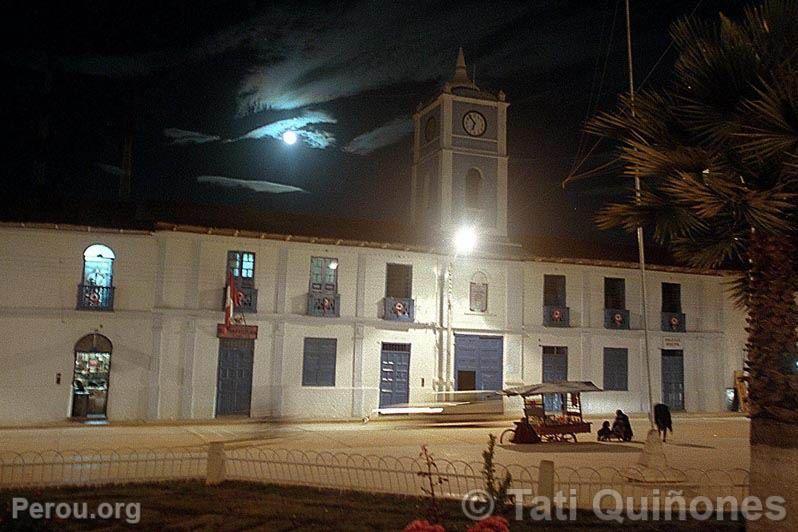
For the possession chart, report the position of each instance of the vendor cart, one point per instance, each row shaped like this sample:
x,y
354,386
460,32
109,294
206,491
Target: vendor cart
x,y
539,424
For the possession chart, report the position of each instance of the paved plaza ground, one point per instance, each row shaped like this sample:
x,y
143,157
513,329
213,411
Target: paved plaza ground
x,y
698,441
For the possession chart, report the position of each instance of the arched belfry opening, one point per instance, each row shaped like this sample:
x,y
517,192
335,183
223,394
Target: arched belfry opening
x,y
91,377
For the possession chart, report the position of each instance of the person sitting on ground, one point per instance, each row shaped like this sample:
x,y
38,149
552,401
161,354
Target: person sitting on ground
x,y
605,432
621,426
662,418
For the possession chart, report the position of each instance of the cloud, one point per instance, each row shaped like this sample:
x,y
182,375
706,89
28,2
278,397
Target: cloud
x,y
325,59
182,136
300,124
384,135
110,169
258,186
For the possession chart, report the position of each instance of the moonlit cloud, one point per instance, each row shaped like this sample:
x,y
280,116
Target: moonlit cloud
x,y
110,169
384,135
258,186
326,60
182,136
301,125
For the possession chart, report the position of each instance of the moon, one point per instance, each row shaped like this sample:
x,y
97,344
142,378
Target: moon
x,y
289,137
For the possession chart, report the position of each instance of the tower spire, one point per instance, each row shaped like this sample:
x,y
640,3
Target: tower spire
x,y
461,78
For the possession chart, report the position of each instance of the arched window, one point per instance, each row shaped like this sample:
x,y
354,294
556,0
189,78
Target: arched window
x,y
473,189
91,376
96,288
478,293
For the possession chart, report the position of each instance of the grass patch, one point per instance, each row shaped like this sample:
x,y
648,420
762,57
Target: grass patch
x,y
246,506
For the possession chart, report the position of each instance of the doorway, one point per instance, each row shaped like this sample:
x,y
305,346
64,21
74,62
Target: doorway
x,y
673,378
234,379
394,374
555,368
478,362
91,377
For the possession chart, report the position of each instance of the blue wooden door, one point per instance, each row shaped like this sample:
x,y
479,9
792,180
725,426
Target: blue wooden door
x,y
555,368
394,374
234,380
673,378
478,362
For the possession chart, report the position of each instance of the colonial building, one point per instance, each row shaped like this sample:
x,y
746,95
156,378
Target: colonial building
x,y
125,323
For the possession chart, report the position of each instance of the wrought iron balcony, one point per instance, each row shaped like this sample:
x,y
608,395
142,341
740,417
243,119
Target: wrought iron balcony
x,y
673,322
616,318
400,309
247,299
93,297
556,316
324,305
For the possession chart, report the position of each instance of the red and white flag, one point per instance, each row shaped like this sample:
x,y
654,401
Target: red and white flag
x,y
230,300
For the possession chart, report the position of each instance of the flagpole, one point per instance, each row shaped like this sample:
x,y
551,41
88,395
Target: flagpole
x,y
641,255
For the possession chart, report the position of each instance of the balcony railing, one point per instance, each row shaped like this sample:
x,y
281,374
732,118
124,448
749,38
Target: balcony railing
x,y
247,299
93,297
324,305
556,316
616,318
400,309
673,322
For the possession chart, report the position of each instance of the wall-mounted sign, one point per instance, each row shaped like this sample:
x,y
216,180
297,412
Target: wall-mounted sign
x,y
235,330
671,342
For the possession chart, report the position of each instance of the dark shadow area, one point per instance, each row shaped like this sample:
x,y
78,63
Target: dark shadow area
x,y
579,447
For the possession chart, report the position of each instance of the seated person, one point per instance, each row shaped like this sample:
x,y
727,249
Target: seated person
x,y
621,426
605,432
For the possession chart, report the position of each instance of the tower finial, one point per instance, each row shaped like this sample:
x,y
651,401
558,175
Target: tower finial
x,y
460,71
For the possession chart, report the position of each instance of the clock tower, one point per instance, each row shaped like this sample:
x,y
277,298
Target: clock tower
x,y
459,174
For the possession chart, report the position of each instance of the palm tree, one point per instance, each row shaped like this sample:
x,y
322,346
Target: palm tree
x,y
716,150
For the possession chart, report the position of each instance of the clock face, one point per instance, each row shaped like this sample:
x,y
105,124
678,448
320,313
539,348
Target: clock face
x,y
431,129
474,123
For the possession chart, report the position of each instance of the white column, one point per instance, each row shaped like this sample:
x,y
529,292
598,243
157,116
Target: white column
x,y
358,406
187,380
153,399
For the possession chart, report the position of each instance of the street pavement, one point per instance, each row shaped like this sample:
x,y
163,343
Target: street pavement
x,y
699,441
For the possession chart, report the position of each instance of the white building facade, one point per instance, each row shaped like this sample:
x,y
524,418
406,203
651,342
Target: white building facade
x,y
125,324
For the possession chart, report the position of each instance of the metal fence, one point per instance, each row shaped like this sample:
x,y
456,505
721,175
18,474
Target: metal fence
x,y
356,472
95,467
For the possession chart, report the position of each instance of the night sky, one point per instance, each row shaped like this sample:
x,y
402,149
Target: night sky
x,y
204,90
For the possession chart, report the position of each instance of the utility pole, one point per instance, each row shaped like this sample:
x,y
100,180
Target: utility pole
x,y
641,254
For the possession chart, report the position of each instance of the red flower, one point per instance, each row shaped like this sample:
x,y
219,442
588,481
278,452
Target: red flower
x,y
491,524
422,525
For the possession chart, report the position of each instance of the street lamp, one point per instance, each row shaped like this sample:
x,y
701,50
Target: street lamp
x,y
464,242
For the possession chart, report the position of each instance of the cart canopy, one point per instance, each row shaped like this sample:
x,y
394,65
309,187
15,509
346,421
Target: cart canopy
x,y
553,387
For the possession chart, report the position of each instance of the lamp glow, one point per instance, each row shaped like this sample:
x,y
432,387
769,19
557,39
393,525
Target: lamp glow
x,y
465,240
289,137
333,265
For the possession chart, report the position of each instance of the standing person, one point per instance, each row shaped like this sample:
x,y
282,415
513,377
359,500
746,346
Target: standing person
x,y
621,426
662,418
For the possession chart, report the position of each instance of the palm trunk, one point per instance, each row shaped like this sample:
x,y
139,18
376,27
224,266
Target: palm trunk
x,y
773,389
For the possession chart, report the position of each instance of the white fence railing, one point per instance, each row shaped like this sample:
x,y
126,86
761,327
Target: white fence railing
x,y
356,472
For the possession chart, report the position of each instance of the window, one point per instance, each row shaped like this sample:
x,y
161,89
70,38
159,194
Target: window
x,y
616,368
478,293
671,297
98,266
324,275
553,290
473,189
96,289
318,362
242,265
614,293
399,281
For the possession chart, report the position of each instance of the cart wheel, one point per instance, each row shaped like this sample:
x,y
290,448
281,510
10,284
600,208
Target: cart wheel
x,y
510,433
569,437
